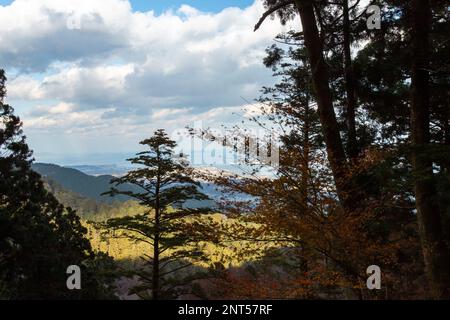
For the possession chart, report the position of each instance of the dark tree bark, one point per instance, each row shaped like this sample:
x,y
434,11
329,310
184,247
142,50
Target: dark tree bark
x,y
155,278
321,80
352,145
435,250
155,284
305,160
446,132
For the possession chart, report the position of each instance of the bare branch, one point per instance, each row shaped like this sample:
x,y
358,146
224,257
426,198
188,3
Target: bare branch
x,y
271,11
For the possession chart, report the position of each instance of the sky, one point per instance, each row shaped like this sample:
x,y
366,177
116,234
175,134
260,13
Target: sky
x,y
90,79
160,6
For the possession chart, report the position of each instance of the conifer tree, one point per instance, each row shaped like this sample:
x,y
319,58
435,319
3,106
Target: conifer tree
x,y
166,185
39,238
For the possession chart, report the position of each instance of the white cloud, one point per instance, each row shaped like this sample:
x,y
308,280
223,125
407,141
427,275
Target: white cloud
x,y
97,85
40,123
34,33
60,108
24,87
166,113
188,11
112,70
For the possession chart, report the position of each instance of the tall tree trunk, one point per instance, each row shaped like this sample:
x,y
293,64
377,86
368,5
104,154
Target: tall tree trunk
x,y
446,130
155,279
320,78
305,151
156,240
435,251
352,145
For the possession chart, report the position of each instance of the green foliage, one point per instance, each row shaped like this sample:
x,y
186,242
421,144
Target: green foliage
x,y
91,209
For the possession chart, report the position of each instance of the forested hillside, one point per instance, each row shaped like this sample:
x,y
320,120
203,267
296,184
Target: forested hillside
x,y
89,208
88,186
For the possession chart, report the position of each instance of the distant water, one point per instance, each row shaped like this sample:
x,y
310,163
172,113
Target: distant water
x,y
91,159
99,170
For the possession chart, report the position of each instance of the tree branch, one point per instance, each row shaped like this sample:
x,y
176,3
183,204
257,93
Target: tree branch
x,y
271,11
176,269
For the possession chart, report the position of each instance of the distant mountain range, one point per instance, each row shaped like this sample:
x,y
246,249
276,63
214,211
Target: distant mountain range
x,y
81,183
79,187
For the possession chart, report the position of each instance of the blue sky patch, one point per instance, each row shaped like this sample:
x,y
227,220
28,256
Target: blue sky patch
x,y
162,5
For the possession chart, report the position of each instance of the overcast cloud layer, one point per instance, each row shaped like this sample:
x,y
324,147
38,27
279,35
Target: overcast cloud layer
x,y
94,76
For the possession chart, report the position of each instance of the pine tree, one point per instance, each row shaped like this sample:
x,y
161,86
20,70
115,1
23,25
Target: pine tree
x,y
39,238
166,185
293,109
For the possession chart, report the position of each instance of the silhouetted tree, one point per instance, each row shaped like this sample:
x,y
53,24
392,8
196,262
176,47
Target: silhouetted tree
x,y
166,185
39,238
